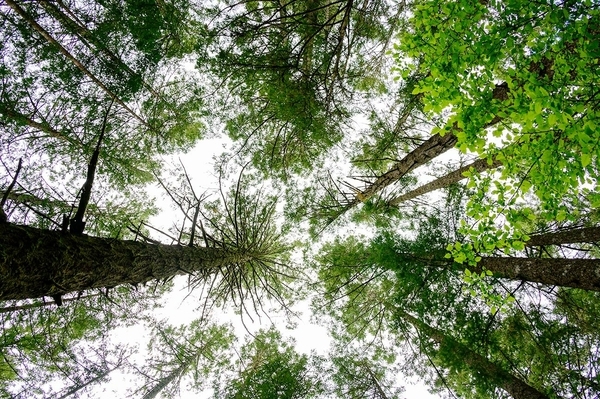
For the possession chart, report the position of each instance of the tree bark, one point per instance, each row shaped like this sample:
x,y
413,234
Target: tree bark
x,y
77,225
10,309
585,234
479,165
575,273
36,263
163,382
433,147
516,387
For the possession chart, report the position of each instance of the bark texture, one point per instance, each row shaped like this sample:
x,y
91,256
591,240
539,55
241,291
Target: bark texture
x,y
516,387
36,263
586,234
575,273
436,145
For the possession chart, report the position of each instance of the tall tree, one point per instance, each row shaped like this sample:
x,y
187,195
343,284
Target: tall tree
x,y
67,351
197,352
542,52
292,70
269,367
365,285
241,246
454,352
453,177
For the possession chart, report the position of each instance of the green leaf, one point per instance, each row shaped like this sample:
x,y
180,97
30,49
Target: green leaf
x,y
585,160
525,185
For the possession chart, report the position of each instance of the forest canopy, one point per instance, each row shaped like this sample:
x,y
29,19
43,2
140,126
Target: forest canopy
x,y
418,178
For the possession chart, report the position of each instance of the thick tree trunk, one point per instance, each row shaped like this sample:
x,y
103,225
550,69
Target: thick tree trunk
x,y
36,263
480,165
585,234
575,273
516,387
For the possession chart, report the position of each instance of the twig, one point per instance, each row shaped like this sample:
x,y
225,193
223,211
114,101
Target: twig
x,y
3,217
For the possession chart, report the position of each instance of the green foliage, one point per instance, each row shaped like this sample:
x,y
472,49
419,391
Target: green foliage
x,y
530,66
193,353
356,374
515,81
270,368
48,351
293,70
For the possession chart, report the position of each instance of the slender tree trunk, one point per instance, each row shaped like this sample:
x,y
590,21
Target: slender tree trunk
x,y
27,198
73,390
32,200
163,382
71,58
10,309
479,165
585,234
516,387
89,39
36,263
575,273
3,216
433,147
379,390
77,225
42,127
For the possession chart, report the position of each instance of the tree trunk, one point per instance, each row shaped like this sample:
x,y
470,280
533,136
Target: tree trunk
x,y
42,127
79,386
36,263
585,234
433,147
10,309
77,225
163,382
516,387
89,40
436,145
575,273
480,165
